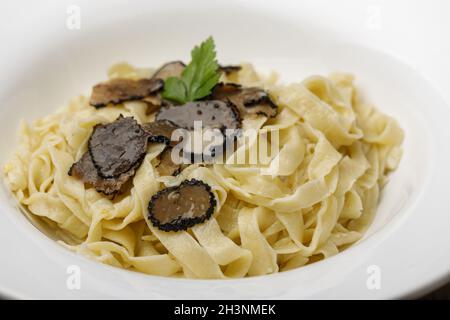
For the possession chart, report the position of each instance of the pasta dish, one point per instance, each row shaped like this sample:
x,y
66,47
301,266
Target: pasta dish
x,y
101,171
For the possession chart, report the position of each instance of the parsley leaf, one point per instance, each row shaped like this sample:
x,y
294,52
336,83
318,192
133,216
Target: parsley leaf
x,y
175,90
198,78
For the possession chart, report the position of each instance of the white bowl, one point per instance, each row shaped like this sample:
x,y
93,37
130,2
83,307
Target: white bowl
x,y
408,246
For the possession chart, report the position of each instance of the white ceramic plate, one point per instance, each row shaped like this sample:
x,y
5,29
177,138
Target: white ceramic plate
x,y
44,63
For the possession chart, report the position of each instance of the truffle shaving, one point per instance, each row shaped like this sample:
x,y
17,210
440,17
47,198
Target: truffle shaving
x,y
160,131
85,170
181,207
119,90
117,147
170,69
166,166
251,100
214,114
229,69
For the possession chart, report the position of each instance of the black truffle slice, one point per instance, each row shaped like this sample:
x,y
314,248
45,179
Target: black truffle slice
x,y
117,147
224,90
119,90
153,102
160,131
85,170
181,207
229,69
251,100
170,69
166,166
214,114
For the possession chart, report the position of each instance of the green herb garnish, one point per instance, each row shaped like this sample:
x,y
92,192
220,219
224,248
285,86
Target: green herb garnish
x,y
198,78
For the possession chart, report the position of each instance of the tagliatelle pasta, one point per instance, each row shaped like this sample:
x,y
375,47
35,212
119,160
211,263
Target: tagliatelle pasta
x,y
315,197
